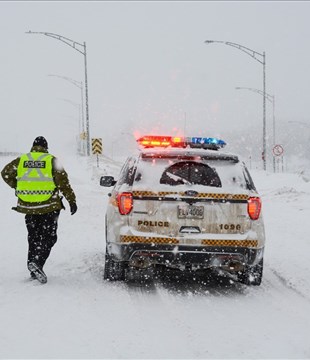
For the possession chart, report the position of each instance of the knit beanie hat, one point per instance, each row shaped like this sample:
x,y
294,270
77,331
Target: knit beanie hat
x,y
40,141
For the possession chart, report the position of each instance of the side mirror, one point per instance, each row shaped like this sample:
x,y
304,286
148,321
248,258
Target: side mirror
x,y
107,181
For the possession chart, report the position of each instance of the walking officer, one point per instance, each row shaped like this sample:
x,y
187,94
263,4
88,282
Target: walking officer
x,y
39,180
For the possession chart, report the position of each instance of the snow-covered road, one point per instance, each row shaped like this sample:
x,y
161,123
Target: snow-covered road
x,y
78,315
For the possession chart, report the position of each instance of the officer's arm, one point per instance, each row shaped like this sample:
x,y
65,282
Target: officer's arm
x,y
9,173
62,182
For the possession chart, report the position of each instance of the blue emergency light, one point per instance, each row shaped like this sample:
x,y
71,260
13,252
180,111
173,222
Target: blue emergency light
x,y
205,142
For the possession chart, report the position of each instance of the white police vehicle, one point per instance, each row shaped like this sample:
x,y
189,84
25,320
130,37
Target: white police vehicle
x,y
183,204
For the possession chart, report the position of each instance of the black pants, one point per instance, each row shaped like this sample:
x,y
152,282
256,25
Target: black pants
x,y
42,236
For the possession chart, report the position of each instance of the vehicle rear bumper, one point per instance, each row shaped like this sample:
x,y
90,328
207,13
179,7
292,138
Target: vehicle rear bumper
x,y
183,256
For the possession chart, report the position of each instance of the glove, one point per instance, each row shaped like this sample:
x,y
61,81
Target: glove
x,y
73,208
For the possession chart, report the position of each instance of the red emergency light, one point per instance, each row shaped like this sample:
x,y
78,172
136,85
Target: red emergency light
x,y
161,141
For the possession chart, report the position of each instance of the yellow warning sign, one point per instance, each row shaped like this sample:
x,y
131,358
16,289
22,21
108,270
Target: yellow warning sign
x,y
96,146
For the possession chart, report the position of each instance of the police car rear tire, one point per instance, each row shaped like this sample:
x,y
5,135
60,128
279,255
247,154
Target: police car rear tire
x,y
252,275
113,270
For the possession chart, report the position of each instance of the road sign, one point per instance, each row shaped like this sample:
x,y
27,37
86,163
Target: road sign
x,y
96,146
277,150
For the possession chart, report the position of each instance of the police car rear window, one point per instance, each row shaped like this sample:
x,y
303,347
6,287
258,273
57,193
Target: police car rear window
x,y
190,173
154,174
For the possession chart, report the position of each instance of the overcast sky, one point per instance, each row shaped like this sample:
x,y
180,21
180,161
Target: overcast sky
x,y
149,69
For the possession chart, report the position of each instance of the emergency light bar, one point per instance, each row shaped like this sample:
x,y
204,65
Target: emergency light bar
x,y
150,141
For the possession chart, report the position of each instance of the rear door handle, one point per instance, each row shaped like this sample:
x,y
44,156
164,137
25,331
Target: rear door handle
x,y
190,230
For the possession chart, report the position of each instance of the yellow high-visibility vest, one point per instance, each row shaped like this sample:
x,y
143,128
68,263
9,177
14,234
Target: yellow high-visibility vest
x,y
34,177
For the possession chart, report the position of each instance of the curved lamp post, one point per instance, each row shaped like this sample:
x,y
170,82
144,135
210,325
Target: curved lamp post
x,y
261,58
81,48
270,98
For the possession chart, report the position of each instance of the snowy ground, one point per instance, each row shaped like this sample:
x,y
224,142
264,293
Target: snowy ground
x,y
78,315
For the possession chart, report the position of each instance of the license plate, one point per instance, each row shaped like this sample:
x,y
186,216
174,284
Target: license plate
x,y
190,212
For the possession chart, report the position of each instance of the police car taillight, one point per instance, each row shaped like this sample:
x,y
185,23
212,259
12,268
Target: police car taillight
x,y
254,207
125,203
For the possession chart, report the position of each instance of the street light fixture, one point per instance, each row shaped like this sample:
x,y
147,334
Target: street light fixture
x,y
81,48
270,98
78,84
261,58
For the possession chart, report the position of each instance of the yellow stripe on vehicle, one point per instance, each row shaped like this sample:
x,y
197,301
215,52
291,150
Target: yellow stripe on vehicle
x,y
199,195
223,196
234,243
206,242
147,240
152,193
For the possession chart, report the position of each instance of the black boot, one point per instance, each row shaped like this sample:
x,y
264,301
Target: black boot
x,y
37,272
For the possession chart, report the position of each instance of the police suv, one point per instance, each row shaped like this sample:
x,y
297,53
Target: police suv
x,y
183,204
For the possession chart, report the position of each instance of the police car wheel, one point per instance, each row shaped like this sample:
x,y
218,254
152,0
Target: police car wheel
x,y
113,270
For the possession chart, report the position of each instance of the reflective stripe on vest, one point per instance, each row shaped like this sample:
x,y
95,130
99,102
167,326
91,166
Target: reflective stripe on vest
x,y
34,177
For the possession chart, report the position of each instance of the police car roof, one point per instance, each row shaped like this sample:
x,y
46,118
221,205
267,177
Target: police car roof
x,y
187,154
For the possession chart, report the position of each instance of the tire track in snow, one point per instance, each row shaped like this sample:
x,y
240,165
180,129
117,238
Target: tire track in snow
x,y
272,275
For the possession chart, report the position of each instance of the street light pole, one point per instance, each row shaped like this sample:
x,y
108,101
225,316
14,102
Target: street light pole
x,y
272,99
261,58
81,48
